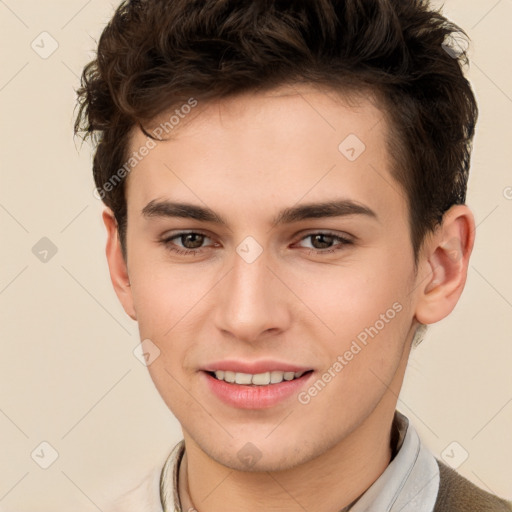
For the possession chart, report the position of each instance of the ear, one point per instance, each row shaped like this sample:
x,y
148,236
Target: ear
x,y
444,260
117,264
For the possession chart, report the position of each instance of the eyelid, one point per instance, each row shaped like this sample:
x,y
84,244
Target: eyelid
x,y
169,237
341,235
181,232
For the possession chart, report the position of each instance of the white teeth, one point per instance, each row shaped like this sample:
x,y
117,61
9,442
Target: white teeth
x,y
276,377
229,376
259,379
243,378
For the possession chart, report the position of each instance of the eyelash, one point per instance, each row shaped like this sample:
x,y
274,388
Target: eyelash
x,y
167,242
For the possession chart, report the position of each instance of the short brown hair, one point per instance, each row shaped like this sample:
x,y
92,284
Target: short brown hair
x,y
157,54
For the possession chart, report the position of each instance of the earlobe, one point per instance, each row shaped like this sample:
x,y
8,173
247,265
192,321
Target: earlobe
x,y
117,265
446,259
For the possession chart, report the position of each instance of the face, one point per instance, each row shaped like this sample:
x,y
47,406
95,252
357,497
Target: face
x,y
268,241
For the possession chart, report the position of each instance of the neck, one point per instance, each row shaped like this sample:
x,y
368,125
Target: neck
x,y
331,481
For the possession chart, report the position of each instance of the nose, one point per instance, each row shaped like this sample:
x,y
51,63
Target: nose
x,y
252,301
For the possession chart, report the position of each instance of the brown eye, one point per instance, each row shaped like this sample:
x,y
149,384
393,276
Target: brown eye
x,y
192,240
325,242
321,241
187,242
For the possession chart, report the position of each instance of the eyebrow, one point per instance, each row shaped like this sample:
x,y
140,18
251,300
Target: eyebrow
x,y
336,208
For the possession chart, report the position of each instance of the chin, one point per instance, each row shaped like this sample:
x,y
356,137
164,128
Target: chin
x,y
260,452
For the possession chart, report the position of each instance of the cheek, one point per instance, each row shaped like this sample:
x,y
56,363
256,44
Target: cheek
x,y
370,318
365,305
170,303
350,297
162,293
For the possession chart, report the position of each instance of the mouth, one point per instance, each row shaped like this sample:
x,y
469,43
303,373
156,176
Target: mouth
x,y
261,390
257,379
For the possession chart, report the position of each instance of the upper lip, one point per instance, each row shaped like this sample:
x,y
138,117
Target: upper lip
x,y
254,367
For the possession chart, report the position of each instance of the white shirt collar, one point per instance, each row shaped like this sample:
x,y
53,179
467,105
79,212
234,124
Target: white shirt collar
x,y
410,483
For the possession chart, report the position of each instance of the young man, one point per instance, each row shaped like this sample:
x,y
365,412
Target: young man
x,y
285,187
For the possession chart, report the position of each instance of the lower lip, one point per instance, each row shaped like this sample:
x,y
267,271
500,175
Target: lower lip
x,y
255,397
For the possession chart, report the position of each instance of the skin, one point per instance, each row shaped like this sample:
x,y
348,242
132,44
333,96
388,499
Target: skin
x,y
247,158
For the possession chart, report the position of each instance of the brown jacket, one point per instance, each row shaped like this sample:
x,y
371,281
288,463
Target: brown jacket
x,y
457,494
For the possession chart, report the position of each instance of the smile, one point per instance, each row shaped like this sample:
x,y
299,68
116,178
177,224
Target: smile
x,y
255,390
258,379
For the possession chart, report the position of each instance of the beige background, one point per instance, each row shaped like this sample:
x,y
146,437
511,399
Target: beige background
x,y
68,374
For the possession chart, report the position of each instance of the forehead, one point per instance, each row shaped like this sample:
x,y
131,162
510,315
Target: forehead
x,y
283,145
